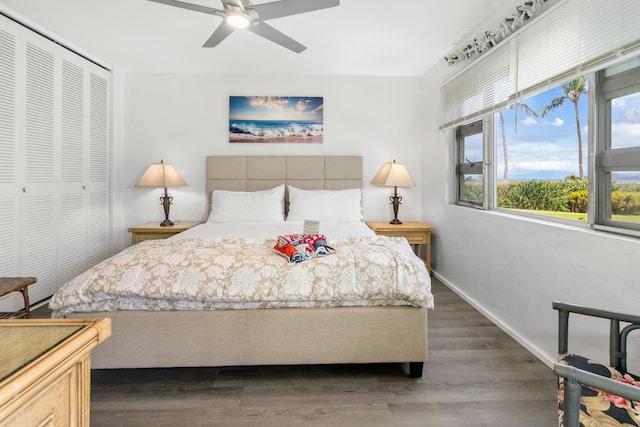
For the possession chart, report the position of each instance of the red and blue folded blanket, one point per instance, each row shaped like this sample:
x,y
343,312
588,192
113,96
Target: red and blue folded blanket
x,y
301,247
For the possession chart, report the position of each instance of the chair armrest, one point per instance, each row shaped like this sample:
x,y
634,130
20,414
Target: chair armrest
x,y
595,312
617,337
576,378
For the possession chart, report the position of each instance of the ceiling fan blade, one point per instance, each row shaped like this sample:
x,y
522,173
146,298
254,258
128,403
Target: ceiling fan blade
x,y
235,3
270,33
190,6
282,8
218,35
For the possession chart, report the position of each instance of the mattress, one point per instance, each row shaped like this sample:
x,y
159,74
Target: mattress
x,y
270,230
234,266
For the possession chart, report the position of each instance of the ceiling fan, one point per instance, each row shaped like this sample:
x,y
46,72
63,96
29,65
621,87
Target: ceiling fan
x,y
244,14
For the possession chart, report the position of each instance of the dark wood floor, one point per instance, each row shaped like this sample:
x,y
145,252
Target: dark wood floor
x,y
476,375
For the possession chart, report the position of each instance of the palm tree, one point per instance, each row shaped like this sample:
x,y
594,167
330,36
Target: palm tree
x,y
515,106
572,92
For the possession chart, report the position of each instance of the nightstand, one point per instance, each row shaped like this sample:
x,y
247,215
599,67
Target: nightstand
x,y
417,233
153,230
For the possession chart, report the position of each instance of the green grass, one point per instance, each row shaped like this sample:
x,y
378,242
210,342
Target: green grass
x,y
627,218
582,216
566,215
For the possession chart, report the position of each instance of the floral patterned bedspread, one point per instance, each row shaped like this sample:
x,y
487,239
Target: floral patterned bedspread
x,y
221,274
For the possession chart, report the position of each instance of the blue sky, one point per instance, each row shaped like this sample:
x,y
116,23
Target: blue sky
x,y
276,108
547,147
543,147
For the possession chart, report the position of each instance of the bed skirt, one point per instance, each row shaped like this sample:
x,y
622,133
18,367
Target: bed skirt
x,y
287,336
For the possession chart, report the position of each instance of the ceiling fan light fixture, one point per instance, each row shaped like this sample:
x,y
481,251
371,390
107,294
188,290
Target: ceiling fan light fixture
x,y
237,20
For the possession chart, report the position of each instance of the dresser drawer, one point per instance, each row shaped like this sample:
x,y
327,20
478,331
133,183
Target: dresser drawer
x,y
56,405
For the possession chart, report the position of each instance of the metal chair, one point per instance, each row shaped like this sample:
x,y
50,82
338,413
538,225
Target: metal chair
x,y
580,377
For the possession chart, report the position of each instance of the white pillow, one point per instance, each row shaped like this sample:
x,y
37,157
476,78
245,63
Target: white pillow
x,y
325,205
254,206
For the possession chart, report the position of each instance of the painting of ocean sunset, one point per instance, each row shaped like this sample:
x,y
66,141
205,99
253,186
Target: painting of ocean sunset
x,y
286,119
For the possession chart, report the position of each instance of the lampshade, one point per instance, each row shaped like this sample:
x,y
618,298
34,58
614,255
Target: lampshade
x,y
393,174
161,175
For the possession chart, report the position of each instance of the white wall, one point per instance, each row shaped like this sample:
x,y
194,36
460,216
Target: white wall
x,y
512,268
182,118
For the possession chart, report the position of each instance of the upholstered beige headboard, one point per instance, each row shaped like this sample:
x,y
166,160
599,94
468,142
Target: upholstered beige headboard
x,y
253,173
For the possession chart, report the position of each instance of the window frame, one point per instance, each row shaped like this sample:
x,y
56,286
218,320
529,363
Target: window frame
x,y
607,159
464,167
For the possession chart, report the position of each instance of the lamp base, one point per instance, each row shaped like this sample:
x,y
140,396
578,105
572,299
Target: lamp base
x,y
395,201
166,200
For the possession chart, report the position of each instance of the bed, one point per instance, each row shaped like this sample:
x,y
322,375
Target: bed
x,y
263,329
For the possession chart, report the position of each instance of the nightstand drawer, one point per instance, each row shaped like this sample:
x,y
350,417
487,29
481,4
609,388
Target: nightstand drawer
x,y
142,236
153,230
414,238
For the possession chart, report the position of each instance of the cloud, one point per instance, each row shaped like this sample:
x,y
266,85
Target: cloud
x,y
528,121
319,108
543,165
543,150
625,135
633,114
542,159
302,104
618,102
556,122
268,102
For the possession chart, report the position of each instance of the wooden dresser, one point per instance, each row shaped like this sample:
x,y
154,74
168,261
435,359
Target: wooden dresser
x,y
45,370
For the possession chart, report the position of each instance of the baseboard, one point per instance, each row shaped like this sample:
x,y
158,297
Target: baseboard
x,y
40,303
504,327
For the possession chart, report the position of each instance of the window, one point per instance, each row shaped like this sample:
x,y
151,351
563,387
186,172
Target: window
x,y
592,173
618,166
540,146
542,164
469,165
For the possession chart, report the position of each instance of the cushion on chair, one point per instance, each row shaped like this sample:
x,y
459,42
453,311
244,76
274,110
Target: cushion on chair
x,y
598,408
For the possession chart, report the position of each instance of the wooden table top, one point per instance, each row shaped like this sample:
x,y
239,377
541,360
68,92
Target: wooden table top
x,y
22,344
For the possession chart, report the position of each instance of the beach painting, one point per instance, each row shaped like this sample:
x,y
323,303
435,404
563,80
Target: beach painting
x,y
269,119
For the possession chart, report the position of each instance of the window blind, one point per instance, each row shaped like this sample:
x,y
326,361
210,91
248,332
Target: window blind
x,y
574,38
569,39
479,88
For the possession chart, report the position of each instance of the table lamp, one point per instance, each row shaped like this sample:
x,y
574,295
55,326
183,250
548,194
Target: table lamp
x,y
393,175
162,175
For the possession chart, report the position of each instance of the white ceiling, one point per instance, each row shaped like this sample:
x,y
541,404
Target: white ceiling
x,y
359,37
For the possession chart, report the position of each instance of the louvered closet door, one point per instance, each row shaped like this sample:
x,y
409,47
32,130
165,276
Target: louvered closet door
x,y
27,137
54,162
39,207
72,184
9,158
98,188
84,167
